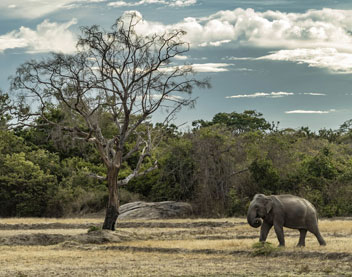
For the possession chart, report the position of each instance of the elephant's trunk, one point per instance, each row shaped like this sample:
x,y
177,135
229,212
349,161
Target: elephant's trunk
x,y
252,218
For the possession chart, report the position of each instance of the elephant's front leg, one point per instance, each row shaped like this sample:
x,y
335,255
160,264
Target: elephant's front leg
x,y
280,233
302,237
264,231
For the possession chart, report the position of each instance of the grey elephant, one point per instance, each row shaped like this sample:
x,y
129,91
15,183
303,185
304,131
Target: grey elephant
x,y
283,211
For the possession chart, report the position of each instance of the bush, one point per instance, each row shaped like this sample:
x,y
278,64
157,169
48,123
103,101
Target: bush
x,y
263,249
24,188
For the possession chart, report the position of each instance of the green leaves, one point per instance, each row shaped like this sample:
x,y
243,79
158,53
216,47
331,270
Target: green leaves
x,y
238,123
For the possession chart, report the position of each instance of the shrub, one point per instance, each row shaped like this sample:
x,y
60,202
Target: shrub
x,y
264,249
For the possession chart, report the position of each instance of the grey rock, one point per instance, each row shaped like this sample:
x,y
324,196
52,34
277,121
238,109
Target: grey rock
x,y
155,210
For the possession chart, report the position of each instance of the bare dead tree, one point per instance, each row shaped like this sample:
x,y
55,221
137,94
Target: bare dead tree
x,y
120,72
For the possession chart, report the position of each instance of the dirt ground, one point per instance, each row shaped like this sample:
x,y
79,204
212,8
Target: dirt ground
x,y
187,247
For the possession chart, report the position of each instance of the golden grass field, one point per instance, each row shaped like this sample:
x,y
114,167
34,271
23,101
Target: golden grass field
x,y
183,247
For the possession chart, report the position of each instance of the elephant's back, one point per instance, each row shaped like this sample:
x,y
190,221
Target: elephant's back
x,y
297,210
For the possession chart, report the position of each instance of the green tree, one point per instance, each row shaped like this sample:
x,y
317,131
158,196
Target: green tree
x,y
239,123
25,188
265,176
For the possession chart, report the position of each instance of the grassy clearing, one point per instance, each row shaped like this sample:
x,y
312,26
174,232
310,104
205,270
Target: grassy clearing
x,y
200,247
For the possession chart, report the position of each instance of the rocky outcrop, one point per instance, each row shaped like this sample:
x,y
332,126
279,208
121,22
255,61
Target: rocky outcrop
x,y
155,210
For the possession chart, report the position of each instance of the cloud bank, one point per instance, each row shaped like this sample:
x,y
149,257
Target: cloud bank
x,y
319,38
326,28
47,37
327,58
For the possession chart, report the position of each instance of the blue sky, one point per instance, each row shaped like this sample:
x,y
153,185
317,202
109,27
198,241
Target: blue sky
x,y
290,60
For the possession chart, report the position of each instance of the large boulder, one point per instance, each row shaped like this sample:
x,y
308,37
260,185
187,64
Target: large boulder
x,y
155,210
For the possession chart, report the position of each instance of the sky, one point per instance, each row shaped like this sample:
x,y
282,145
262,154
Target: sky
x,y
290,60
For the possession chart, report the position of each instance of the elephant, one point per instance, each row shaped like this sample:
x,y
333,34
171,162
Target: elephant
x,y
283,211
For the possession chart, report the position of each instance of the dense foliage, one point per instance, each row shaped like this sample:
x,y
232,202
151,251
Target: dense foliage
x,y
218,166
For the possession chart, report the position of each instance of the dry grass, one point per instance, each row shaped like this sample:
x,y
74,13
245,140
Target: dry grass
x,y
7,233
29,220
201,247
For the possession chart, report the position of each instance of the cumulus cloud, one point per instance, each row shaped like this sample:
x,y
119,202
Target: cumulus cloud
x,y
309,112
47,37
319,38
170,3
328,58
37,8
262,94
326,28
314,28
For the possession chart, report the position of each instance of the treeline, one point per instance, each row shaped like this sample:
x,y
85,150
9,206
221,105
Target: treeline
x,y
217,166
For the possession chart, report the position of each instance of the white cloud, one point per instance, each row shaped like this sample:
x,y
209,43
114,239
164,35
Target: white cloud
x,y
328,58
37,8
182,3
48,36
314,28
314,93
262,94
243,69
273,94
214,43
170,3
211,67
309,112
181,57
202,67
118,4
239,58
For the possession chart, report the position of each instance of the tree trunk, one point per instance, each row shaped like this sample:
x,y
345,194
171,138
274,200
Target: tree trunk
x,y
112,210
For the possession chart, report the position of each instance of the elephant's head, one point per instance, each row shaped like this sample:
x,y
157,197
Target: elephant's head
x,y
260,206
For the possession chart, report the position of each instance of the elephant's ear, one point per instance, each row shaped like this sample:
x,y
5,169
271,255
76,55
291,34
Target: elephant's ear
x,y
269,205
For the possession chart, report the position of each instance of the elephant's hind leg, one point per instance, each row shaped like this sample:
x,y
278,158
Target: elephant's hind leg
x,y
302,237
316,232
320,239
